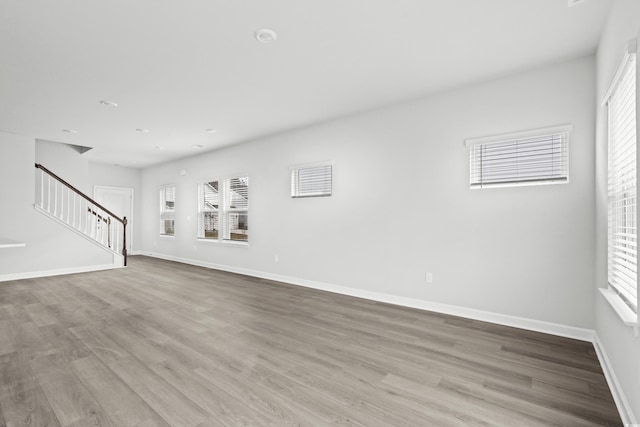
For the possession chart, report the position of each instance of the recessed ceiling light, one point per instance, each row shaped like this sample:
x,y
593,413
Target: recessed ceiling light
x,y
71,131
266,35
210,130
142,130
197,146
159,147
108,103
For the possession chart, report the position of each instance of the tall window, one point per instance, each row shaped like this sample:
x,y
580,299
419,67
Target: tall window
x,y
224,210
209,226
622,184
167,210
236,209
530,157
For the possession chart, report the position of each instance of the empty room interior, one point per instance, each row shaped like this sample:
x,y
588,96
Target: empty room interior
x,y
304,212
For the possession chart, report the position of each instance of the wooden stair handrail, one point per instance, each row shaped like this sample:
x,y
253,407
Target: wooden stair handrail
x,y
80,193
122,220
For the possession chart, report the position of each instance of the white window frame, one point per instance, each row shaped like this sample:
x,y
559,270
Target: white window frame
x,y
224,211
166,214
298,193
615,296
202,210
475,144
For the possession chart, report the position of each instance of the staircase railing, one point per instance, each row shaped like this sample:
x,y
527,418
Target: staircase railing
x,y
66,203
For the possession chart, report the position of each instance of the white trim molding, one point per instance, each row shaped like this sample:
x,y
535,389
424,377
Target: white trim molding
x,y
57,272
623,311
630,49
626,413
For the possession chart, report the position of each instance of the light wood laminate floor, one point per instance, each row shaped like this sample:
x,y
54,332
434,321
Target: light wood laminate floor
x,y
161,343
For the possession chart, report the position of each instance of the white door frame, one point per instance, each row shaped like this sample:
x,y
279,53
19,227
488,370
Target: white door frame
x,y
129,219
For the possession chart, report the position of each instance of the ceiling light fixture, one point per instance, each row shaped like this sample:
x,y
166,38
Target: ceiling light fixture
x,y
159,147
142,130
108,104
197,146
571,3
210,130
266,35
71,131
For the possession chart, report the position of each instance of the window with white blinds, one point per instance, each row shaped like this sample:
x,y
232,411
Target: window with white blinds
x,y
208,211
524,158
236,209
622,184
223,210
167,210
312,180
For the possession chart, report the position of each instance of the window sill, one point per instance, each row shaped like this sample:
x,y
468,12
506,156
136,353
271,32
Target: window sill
x,y
223,242
623,311
166,236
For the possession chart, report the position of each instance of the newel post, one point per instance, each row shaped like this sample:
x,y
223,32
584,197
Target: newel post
x,y
124,239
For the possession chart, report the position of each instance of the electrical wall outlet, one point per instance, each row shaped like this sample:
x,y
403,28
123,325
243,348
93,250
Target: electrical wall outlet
x,y
275,258
428,277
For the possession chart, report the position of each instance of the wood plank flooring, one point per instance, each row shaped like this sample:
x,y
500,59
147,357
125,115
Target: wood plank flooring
x,y
166,344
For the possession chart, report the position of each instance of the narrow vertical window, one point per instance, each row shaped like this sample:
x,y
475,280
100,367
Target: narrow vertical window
x,y
167,210
236,209
622,184
209,218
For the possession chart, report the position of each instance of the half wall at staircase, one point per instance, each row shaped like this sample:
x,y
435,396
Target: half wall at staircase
x,y
51,248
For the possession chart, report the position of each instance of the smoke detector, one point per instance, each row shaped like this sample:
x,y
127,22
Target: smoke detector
x,y
266,35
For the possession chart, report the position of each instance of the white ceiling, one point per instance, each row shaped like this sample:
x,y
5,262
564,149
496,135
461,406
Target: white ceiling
x,y
179,67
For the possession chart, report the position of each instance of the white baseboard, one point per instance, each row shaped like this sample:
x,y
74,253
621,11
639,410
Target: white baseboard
x,y
469,313
626,413
57,272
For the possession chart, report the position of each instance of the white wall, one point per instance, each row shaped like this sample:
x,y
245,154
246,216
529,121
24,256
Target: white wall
x,y
64,161
50,247
119,176
402,204
622,348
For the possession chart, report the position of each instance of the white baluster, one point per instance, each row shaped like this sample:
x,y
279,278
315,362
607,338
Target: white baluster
x,y
94,223
49,193
86,214
102,227
61,201
68,203
41,188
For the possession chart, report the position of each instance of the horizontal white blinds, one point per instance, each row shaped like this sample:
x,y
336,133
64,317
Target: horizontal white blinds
x,y
167,210
236,209
311,181
168,198
540,158
622,186
210,196
237,193
167,202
